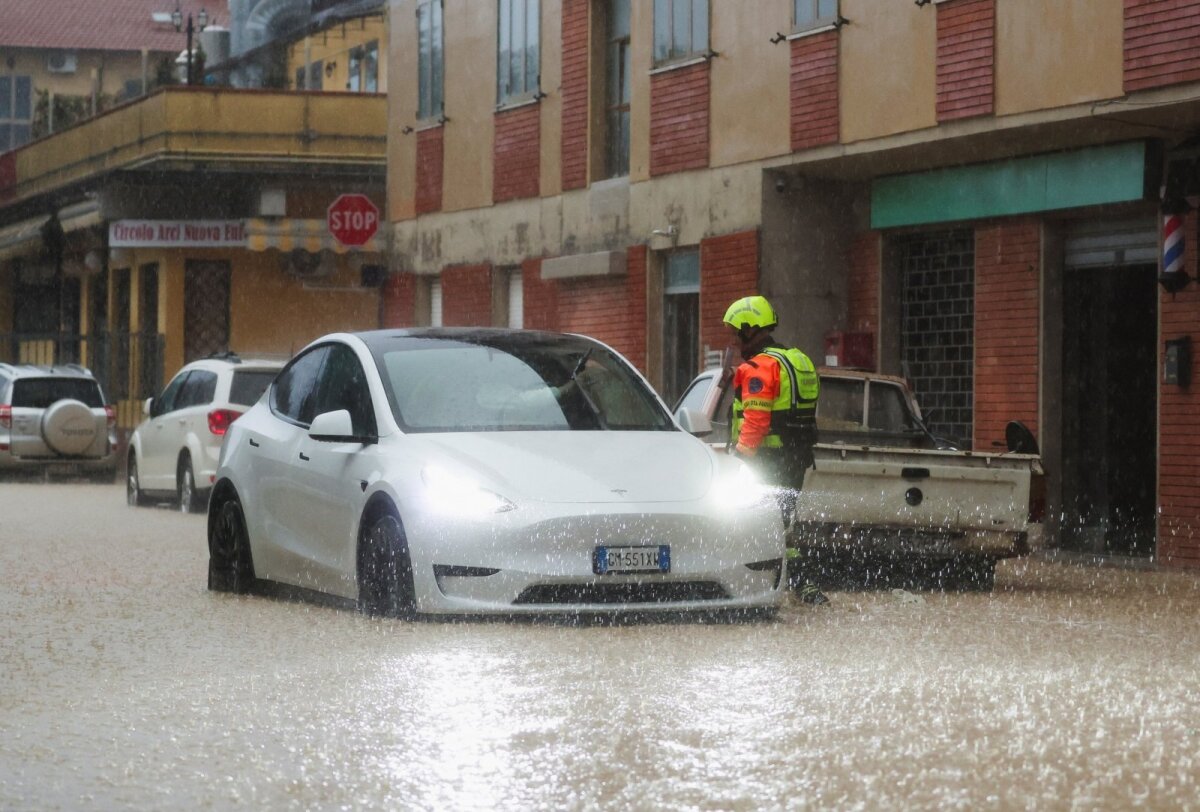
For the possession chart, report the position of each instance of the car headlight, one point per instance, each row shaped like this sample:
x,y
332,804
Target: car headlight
x,y
448,492
740,489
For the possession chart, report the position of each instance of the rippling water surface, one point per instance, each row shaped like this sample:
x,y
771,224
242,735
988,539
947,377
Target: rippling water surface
x,y
125,684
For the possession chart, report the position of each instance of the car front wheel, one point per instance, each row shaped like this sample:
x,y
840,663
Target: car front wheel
x,y
134,497
385,577
230,567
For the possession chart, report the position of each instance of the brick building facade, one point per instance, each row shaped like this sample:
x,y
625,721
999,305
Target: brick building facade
x,y
974,186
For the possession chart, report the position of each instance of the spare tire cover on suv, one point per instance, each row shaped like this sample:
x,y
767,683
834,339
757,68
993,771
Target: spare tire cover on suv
x,y
69,427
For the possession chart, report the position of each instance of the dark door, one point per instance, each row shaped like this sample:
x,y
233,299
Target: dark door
x,y
1109,401
206,308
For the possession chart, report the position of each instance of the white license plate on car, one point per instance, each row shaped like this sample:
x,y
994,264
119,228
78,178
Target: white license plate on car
x,y
621,560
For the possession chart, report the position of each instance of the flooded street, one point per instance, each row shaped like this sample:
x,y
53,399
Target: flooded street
x,y
124,683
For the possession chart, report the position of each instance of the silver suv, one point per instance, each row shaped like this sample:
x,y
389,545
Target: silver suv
x,y
173,454
54,419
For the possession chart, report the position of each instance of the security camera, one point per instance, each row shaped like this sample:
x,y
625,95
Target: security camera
x,y
780,184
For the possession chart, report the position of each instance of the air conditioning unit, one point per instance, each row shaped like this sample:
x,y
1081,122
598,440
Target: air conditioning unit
x,y
306,265
61,62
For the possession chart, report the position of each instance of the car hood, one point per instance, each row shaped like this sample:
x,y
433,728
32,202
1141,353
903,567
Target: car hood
x,y
579,466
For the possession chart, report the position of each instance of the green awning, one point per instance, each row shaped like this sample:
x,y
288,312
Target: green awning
x,y
1061,180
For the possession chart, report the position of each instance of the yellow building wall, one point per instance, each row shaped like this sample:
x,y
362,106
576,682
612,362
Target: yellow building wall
x,y
402,112
332,47
551,105
750,96
470,101
887,68
110,69
1052,53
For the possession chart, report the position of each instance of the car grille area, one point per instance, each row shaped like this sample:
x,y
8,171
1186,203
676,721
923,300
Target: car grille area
x,y
621,593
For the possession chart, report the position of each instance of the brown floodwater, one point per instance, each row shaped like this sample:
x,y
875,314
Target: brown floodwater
x,y
125,684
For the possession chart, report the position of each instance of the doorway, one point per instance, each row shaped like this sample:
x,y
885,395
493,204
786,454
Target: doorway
x,y
206,308
1109,402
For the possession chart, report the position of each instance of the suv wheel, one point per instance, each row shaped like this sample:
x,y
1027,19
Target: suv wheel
x,y
134,496
188,500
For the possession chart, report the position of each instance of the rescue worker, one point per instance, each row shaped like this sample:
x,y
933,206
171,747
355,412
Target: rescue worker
x,y
774,423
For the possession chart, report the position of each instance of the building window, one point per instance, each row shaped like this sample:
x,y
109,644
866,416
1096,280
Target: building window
x,y
516,299
430,67
364,68
435,303
681,321
814,13
316,75
16,111
370,67
680,29
300,73
518,63
617,90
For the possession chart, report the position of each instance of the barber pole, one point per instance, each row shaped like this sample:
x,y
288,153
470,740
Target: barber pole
x,y
1173,277
1172,245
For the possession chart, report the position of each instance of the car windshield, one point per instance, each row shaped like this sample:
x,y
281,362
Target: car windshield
x,y
41,393
248,385
513,382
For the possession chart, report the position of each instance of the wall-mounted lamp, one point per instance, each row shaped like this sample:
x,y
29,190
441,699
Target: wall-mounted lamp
x,y
329,67
1173,277
406,130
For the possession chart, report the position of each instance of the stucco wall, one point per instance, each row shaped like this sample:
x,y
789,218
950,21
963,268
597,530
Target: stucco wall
x,y
402,113
749,81
887,68
1050,54
470,103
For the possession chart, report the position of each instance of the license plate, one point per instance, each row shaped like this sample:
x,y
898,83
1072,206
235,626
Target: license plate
x,y
621,560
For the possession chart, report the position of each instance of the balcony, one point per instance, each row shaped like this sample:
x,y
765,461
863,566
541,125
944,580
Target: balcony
x,y
199,128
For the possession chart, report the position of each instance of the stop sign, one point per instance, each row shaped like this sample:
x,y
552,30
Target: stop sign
x,y
352,219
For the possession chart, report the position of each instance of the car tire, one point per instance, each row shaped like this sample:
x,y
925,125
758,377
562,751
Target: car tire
x,y
134,495
385,576
187,499
230,566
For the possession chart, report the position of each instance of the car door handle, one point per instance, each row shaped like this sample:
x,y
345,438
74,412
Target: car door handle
x,y
253,442
303,456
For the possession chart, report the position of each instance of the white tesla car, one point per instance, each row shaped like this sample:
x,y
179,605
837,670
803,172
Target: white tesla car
x,y
469,471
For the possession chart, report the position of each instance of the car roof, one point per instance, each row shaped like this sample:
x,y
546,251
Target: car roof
x,y
217,363
46,371
470,335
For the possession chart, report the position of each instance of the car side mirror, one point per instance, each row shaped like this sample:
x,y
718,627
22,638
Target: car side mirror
x,y
332,427
694,422
148,407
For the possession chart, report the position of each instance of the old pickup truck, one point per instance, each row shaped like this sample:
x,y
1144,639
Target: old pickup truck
x,y
885,491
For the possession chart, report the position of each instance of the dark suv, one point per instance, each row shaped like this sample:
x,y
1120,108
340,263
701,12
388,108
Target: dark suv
x,y
54,419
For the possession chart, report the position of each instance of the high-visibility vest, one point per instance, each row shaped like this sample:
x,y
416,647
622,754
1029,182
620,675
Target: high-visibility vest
x,y
794,410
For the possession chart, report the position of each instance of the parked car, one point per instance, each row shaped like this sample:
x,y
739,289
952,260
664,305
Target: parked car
x,y
451,471
173,453
885,488
54,419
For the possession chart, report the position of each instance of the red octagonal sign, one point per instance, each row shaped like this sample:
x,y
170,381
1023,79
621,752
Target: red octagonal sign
x,y
352,219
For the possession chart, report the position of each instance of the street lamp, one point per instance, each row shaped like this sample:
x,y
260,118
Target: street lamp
x,y
177,20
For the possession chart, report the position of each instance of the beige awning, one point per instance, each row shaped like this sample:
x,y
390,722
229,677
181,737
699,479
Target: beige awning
x,y
288,233
25,237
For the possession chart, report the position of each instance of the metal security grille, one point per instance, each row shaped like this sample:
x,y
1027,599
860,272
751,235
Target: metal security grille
x,y
206,308
938,326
